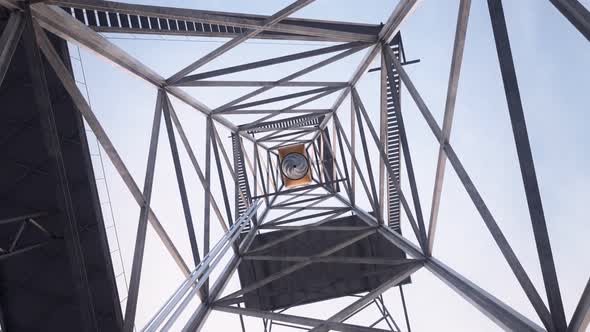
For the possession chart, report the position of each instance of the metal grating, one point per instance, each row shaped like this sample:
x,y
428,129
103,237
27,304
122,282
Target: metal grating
x,y
107,18
241,177
307,120
393,145
119,22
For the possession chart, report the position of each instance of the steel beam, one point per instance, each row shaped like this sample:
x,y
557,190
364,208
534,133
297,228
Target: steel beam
x,y
479,203
415,227
293,106
268,62
9,41
581,318
352,152
82,106
10,4
280,98
383,131
296,267
370,296
277,17
453,85
212,83
355,163
301,28
527,165
501,314
166,106
197,319
51,140
64,25
401,12
22,217
405,148
304,71
296,319
221,176
185,293
295,233
267,111
403,298
368,162
337,260
576,13
193,159
131,308
497,311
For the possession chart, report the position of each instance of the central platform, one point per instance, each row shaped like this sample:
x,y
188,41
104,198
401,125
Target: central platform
x,y
318,281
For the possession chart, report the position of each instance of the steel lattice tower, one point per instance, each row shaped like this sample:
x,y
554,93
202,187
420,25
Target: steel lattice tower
x,y
297,175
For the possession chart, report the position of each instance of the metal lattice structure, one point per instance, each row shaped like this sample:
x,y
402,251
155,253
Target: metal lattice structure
x,y
263,209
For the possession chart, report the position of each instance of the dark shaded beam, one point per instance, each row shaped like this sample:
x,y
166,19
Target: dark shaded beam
x,y
403,298
12,253
351,309
82,106
270,62
338,260
10,4
9,40
311,322
576,13
527,165
42,102
22,217
296,267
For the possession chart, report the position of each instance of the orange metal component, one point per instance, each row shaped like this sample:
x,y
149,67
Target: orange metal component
x,y
300,149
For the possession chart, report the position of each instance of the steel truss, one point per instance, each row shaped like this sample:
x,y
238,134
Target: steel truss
x,y
255,173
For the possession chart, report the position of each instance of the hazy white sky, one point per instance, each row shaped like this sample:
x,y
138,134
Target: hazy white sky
x,y
552,62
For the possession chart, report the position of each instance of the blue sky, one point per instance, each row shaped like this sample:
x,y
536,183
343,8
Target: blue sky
x,y
552,61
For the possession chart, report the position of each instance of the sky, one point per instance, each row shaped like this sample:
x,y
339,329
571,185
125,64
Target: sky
x,y
552,62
